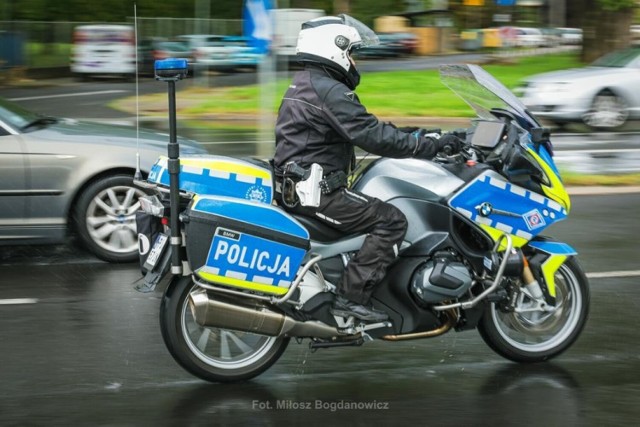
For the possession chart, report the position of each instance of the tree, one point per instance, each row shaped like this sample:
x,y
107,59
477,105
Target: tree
x,y
112,10
605,25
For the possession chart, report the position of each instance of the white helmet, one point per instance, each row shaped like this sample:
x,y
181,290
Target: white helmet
x,y
329,40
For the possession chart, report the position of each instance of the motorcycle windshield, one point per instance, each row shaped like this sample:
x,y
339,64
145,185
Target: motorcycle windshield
x,y
483,92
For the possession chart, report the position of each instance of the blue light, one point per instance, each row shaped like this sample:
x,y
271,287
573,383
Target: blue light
x,y
171,64
171,69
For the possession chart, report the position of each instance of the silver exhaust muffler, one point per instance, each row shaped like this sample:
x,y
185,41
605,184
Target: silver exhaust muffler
x,y
256,319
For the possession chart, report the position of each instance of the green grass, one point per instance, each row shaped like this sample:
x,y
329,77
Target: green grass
x,y
576,179
392,94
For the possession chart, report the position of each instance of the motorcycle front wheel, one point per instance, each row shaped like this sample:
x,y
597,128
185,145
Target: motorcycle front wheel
x,y
536,336
212,354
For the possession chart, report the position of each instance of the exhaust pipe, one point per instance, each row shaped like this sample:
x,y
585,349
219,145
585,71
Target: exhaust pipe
x,y
257,319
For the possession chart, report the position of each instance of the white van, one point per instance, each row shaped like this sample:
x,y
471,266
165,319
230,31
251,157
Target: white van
x,y
100,50
287,24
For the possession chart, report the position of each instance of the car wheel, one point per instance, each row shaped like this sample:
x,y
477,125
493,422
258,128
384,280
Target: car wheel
x,y
104,217
608,111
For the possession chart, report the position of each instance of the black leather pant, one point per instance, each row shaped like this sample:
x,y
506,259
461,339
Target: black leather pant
x,y
352,212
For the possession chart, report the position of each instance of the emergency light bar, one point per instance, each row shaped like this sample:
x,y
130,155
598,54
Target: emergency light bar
x,y
171,69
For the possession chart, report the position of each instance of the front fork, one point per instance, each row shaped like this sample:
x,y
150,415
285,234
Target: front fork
x,y
541,296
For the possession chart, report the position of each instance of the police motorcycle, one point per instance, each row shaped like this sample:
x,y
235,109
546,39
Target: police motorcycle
x,y
244,276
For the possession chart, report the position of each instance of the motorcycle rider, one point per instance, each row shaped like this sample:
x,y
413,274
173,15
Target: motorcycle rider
x,y
321,120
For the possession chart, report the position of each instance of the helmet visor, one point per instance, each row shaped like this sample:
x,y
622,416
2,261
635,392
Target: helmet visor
x,y
368,36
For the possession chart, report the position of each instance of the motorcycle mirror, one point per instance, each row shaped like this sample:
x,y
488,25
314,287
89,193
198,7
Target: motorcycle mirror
x,y
540,135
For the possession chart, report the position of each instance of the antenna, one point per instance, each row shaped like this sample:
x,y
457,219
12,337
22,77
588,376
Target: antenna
x,y
138,174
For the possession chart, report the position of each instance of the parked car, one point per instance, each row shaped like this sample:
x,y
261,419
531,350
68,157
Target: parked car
x,y
193,41
603,95
153,49
244,54
551,36
529,37
59,176
570,36
228,53
391,45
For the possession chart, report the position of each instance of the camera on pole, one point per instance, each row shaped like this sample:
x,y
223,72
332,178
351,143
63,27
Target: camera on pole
x,y
171,70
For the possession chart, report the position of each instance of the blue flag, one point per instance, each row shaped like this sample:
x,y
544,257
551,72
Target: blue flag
x,y
256,26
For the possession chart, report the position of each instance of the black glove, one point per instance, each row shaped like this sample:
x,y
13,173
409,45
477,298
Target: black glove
x,y
449,144
427,147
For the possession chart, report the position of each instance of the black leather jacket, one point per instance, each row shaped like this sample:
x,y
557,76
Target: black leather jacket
x,y
321,120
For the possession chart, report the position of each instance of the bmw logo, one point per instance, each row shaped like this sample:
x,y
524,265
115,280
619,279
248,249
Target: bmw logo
x,y
485,209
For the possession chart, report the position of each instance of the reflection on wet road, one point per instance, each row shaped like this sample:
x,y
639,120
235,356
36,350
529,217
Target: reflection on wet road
x,y
88,351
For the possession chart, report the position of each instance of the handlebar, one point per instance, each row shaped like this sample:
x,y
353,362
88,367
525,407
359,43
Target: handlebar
x,y
467,152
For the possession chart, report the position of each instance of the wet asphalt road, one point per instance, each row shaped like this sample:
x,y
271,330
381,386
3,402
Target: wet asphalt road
x,y
83,348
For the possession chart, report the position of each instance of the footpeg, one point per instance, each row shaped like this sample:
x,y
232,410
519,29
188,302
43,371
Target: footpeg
x,y
370,326
362,328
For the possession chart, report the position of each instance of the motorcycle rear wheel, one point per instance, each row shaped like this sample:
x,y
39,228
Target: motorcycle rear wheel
x,y
538,336
213,354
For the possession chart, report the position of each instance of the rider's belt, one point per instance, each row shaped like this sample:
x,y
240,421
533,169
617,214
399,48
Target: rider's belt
x,y
333,181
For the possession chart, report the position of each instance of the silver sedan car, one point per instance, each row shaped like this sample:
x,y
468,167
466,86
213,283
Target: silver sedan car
x,y
603,95
60,175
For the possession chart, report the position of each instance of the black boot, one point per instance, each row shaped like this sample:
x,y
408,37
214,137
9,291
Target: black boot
x,y
345,308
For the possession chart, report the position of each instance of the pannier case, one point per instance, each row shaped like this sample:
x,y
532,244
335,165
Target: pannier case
x,y
218,175
244,244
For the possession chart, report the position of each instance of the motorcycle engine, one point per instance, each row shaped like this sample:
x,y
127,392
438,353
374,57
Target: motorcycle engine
x,y
441,278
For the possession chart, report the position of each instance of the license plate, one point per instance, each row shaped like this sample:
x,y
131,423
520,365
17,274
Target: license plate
x,y
156,251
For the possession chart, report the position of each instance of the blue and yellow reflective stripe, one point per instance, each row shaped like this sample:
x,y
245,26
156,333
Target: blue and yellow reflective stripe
x,y
220,169
523,205
246,173
218,175
240,283
549,268
556,191
495,234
